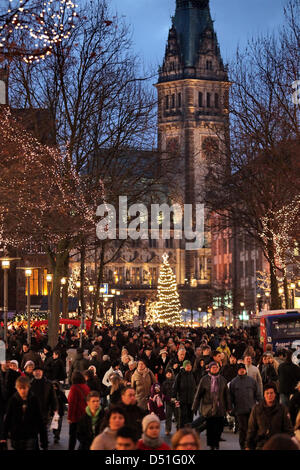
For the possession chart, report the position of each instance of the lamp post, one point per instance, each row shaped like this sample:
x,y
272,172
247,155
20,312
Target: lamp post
x,y
5,262
91,290
199,310
28,274
49,278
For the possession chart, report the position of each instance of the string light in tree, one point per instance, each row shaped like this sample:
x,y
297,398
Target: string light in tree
x,y
31,28
168,306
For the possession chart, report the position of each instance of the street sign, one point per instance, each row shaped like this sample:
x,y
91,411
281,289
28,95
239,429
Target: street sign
x,y
105,287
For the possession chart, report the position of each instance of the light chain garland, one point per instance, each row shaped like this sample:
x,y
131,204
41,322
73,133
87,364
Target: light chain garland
x,y
168,306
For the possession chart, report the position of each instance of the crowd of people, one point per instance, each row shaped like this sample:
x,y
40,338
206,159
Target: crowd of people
x,y
118,388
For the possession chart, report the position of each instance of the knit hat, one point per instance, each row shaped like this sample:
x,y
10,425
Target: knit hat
x,y
211,364
186,363
149,419
163,351
29,363
241,366
14,362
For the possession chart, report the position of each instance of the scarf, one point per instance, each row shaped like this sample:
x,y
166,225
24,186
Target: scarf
x,y
150,442
214,390
93,417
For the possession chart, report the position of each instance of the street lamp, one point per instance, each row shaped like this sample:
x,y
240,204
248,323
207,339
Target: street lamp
x,y
5,262
28,274
49,278
91,290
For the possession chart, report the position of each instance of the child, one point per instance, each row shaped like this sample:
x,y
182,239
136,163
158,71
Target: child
x,y
171,407
156,402
24,421
151,435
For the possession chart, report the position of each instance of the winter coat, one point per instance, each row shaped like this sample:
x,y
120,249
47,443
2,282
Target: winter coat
x,y
294,406
48,365
61,398
141,382
80,363
243,394
44,391
105,441
77,402
87,430
7,384
24,420
252,371
133,416
268,373
265,422
108,373
230,371
184,387
289,376
156,403
56,370
205,398
142,446
174,361
167,388
31,356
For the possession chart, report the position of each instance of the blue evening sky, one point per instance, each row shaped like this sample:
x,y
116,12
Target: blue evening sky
x,y
235,22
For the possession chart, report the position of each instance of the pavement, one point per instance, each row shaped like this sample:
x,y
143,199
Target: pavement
x,y
231,441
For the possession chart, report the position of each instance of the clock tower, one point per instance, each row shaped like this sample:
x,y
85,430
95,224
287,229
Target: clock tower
x,y
193,92
3,87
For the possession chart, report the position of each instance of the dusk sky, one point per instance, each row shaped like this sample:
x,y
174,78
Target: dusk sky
x,y
235,22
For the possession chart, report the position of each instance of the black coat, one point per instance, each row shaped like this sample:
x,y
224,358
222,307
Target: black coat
x,y
56,370
294,406
44,391
80,363
184,387
7,385
230,371
24,420
289,376
85,431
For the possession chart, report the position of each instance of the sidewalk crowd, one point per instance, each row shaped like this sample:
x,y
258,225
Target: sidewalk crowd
x,y
119,387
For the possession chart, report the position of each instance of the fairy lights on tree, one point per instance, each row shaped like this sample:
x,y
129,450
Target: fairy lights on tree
x,y
31,28
168,306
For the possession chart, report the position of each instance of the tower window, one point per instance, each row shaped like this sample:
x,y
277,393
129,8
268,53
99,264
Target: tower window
x,y
167,101
179,100
216,100
200,99
173,101
208,65
208,102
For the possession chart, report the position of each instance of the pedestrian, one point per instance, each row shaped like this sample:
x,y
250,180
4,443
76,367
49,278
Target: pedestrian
x,y
183,391
107,439
176,362
171,409
43,389
244,395
80,363
23,420
267,418
280,442
77,404
142,380
252,371
29,355
213,396
294,403
62,401
92,380
133,413
266,369
28,369
126,439
156,402
117,385
56,367
230,370
296,437
115,368
89,425
289,376
151,439
129,373
186,439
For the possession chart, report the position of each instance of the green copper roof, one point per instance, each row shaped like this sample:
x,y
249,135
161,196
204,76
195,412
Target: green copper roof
x,y
192,18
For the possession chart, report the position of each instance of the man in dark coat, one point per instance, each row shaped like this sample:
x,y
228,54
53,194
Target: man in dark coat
x,y
267,418
177,362
213,396
90,423
244,395
133,413
24,421
30,355
230,370
56,368
184,391
43,389
289,376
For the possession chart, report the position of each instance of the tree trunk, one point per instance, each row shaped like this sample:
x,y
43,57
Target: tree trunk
x,y
82,277
97,290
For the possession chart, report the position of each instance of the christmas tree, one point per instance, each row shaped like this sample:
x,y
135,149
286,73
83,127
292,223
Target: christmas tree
x,y
168,306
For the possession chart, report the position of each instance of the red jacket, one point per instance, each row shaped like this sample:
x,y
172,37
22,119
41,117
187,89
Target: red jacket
x,y
142,446
77,402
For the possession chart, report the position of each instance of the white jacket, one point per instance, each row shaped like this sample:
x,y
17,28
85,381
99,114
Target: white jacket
x,y
110,371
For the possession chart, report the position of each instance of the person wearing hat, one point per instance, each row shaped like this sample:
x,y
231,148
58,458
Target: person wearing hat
x,y
244,395
184,391
28,369
43,389
151,439
214,399
30,355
